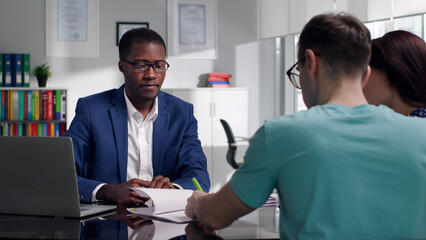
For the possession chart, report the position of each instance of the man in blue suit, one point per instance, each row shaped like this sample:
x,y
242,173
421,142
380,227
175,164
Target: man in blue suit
x,y
136,136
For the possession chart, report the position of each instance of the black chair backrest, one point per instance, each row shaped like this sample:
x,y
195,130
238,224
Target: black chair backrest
x,y
232,148
228,131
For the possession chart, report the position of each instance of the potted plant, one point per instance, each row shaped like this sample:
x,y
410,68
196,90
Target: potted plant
x,y
42,72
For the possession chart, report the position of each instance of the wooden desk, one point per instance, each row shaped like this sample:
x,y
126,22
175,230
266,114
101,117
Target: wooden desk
x,y
263,223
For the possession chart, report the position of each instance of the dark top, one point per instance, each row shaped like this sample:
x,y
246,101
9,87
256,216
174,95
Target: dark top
x,y
419,112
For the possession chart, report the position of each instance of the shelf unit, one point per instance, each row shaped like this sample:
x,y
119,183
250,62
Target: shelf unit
x,y
32,111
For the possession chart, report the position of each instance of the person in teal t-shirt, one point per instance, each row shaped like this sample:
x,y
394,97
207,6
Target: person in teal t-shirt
x,y
343,169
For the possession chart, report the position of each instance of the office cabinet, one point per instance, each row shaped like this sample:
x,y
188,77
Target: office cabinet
x,y
211,105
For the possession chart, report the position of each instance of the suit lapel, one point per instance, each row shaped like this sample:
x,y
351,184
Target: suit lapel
x,y
118,115
161,128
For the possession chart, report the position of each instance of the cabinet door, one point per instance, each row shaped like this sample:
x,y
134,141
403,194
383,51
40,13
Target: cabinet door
x,y
232,106
201,99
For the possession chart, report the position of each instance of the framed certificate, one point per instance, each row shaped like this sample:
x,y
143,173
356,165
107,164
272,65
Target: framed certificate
x,y
191,29
72,28
123,27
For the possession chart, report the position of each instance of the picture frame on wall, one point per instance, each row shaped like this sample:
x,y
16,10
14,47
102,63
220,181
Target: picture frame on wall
x,y
76,38
191,29
123,27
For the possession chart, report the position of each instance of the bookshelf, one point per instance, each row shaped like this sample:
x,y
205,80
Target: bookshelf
x,y
26,111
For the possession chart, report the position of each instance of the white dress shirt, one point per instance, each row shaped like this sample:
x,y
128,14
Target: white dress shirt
x,y
139,157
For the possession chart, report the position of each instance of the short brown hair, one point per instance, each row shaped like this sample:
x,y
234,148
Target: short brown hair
x,y
342,42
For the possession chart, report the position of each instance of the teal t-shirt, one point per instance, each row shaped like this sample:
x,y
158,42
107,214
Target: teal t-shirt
x,y
340,172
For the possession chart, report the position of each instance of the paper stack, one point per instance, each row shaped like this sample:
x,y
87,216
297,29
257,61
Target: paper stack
x,y
164,204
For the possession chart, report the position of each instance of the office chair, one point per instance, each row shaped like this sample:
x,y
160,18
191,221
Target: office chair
x,y
232,144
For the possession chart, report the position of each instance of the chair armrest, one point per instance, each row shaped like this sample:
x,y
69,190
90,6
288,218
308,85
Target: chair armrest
x,y
242,139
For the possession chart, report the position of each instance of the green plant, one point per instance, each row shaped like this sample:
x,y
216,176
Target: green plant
x,y
42,71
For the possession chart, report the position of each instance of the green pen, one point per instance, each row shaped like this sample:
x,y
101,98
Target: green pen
x,y
197,185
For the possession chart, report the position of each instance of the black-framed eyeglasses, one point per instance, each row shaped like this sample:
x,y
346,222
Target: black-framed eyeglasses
x,y
143,66
293,74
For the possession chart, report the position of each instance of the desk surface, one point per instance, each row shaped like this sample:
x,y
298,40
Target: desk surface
x,y
262,223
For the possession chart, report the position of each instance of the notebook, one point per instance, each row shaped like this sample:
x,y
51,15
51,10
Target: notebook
x,y
38,177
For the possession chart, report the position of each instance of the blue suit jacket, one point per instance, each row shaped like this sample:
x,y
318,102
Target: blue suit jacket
x,y
99,134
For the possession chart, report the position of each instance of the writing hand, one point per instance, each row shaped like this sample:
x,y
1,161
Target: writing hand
x,y
192,201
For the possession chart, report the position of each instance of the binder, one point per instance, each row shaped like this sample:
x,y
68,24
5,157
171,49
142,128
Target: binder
x,y
29,105
21,105
1,72
5,103
11,129
52,129
57,133
10,107
62,129
25,107
26,70
49,105
36,105
5,129
16,70
58,105
16,103
44,129
25,129
7,71
43,105
63,105
34,129
39,129
20,129
48,129
1,105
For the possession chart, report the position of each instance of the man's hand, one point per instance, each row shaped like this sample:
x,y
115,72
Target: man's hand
x,y
160,182
121,193
192,202
216,210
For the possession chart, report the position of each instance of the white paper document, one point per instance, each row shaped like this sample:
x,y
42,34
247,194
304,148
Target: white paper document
x,y
164,204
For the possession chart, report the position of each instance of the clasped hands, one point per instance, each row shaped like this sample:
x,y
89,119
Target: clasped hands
x,y
121,194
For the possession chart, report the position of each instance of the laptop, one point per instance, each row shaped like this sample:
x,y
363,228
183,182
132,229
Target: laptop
x,y
38,177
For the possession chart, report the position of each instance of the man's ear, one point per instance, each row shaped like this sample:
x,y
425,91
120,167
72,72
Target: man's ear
x,y
366,77
121,66
311,61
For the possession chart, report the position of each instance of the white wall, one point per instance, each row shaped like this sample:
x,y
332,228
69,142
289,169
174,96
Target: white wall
x,y
276,24
22,23
282,17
